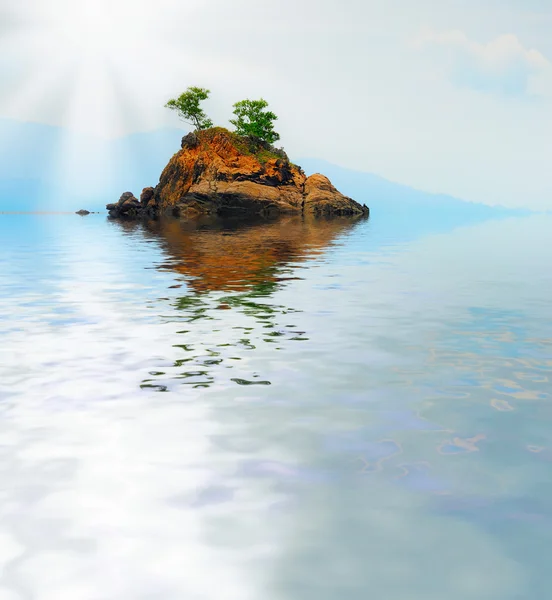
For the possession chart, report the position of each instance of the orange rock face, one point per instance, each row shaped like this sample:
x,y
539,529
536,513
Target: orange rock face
x,y
218,172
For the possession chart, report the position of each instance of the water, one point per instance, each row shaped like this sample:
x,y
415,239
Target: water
x,y
280,411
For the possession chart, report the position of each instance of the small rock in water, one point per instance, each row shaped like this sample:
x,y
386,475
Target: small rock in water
x,y
82,212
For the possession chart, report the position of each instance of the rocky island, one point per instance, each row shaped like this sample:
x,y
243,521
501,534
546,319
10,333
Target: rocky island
x,y
219,172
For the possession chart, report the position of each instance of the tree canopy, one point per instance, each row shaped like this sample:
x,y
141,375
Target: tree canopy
x,y
188,109
253,120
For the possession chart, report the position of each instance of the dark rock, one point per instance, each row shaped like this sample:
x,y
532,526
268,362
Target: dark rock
x,y
146,195
189,141
131,206
126,196
82,212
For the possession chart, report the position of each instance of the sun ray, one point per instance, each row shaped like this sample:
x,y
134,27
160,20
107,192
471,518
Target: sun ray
x,y
98,69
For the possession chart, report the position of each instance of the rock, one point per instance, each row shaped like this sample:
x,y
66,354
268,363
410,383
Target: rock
x,y
321,197
189,141
219,172
126,196
146,195
127,206
130,207
82,212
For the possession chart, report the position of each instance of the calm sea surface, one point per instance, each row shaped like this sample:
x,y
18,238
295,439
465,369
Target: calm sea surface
x,y
281,411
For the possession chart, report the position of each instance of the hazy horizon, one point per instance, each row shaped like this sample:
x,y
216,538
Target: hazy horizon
x,y
90,169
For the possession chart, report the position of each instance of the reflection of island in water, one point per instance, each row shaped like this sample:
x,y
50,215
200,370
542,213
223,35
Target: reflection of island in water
x,y
228,255
246,263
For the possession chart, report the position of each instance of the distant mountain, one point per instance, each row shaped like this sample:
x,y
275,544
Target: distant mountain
x,y
49,168
384,196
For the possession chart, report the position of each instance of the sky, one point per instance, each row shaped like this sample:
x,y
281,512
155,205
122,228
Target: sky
x,y
448,96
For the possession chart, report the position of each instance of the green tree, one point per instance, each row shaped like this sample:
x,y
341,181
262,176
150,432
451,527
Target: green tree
x,y
253,120
188,109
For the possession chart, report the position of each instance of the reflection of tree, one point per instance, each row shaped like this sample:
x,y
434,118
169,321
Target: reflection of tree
x,y
245,261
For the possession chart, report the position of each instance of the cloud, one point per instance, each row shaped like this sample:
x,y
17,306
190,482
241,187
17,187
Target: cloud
x,y
502,65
